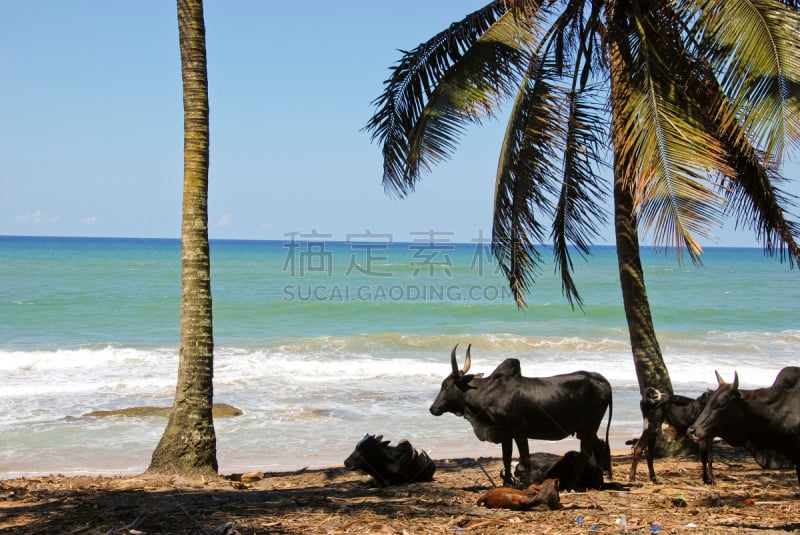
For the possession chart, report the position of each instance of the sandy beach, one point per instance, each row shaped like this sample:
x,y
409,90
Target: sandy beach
x,y
746,499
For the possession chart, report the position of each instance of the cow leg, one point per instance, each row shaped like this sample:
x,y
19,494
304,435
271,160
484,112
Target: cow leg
x,y
643,445
706,458
637,452
651,444
524,458
598,450
594,448
508,476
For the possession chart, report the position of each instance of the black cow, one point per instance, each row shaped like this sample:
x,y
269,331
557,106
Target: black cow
x,y
573,470
390,465
674,415
507,407
761,420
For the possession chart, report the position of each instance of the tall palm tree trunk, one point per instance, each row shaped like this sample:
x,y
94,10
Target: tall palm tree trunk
x,y
189,444
647,359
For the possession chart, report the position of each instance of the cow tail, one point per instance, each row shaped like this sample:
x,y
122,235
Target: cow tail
x,y
608,427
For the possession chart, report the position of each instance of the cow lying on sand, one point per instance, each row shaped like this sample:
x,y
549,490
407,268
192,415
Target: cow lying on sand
x,y
507,407
764,420
673,415
390,465
573,470
543,495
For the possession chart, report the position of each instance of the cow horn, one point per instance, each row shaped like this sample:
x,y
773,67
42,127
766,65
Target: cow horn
x,y
720,380
467,360
735,381
453,360
652,395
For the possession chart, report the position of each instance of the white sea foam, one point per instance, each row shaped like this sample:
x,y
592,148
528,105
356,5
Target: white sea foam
x,y
299,394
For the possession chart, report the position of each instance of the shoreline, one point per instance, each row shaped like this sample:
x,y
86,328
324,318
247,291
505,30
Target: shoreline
x,y
284,462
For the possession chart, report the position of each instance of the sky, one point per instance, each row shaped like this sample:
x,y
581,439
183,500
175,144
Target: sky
x,y
91,123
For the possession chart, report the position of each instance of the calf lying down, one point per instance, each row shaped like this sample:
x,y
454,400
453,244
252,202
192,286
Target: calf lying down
x,y
537,496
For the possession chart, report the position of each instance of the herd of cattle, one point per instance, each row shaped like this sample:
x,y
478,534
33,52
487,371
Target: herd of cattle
x,y
507,407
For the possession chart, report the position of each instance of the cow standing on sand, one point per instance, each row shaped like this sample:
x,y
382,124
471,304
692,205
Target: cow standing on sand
x,y
672,415
763,420
507,407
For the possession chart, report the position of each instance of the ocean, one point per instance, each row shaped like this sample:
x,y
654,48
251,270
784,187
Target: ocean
x,y
320,341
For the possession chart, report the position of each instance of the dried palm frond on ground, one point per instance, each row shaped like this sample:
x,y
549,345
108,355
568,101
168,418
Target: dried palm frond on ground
x,y
746,499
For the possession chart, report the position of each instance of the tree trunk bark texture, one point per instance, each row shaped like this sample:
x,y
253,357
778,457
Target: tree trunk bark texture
x,y
188,445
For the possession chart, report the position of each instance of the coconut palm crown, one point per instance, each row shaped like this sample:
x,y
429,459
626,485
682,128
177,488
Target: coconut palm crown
x,y
696,102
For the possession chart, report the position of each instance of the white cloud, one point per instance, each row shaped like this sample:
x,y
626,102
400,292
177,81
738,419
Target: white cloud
x,y
36,218
225,220
90,221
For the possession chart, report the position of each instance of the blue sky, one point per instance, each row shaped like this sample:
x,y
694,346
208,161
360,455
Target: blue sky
x,y
91,122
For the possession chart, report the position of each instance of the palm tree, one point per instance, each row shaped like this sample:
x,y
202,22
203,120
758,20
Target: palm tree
x,y
698,100
189,445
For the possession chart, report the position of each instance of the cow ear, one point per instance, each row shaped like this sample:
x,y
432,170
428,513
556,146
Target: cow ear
x,y
464,380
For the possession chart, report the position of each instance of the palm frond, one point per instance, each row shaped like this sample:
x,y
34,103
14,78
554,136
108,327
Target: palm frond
x,y
526,178
560,39
763,207
523,8
666,144
752,193
471,90
411,83
579,211
754,47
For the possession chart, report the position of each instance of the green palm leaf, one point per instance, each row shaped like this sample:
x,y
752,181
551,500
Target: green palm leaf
x,y
706,103
666,143
526,178
579,211
755,49
407,90
752,193
471,90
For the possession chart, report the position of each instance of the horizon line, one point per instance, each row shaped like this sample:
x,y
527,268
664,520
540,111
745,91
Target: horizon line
x,y
322,238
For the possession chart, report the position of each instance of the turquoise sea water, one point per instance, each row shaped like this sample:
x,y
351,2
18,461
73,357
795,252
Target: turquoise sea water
x,y
321,341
